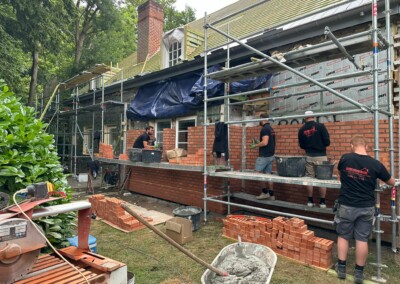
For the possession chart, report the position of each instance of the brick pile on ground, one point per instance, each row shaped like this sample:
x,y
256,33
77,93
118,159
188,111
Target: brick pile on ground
x,y
287,237
110,210
191,159
106,151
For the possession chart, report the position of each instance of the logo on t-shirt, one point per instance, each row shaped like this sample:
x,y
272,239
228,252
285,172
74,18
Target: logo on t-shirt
x,y
357,174
310,132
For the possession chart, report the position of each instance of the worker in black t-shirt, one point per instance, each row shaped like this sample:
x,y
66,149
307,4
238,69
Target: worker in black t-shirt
x,y
354,218
314,138
144,140
266,152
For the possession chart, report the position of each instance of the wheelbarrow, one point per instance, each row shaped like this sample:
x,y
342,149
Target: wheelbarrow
x,y
242,252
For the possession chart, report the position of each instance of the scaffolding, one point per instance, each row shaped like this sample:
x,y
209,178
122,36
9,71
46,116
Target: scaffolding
x,y
67,141
352,44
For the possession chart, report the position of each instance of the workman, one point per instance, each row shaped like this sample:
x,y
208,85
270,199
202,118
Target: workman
x,y
314,138
266,152
355,213
144,140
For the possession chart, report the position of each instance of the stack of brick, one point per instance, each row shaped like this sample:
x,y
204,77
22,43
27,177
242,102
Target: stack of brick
x,y
196,159
110,210
287,237
123,157
106,151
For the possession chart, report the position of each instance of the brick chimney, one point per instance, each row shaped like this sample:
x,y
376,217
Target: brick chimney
x,y
150,29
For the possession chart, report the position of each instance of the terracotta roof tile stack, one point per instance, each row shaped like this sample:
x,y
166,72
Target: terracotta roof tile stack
x,y
106,151
111,211
287,237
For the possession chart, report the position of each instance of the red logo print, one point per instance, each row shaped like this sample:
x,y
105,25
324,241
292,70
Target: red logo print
x,y
310,132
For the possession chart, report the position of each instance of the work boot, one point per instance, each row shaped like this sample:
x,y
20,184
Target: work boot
x,y
358,276
341,271
263,196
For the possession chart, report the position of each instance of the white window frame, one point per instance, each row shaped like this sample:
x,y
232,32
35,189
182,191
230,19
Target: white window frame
x,y
107,130
87,140
177,128
156,129
176,57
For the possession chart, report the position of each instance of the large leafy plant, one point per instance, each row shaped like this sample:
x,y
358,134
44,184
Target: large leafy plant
x,y
28,155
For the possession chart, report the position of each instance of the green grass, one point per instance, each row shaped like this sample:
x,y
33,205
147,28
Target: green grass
x,y
153,260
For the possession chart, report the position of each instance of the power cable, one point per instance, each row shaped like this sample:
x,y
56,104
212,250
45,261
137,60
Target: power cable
x,y
48,242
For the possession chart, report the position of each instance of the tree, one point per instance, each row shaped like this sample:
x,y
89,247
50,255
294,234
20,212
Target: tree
x,y
37,25
91,17
13,67
116,43
174,18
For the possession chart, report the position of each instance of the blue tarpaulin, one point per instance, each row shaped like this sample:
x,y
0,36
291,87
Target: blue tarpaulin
x,y
181,96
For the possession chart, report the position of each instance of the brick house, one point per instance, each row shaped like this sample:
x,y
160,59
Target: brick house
x,y
272,26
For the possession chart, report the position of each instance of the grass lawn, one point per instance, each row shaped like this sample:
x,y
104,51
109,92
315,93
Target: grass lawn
x,y
153,260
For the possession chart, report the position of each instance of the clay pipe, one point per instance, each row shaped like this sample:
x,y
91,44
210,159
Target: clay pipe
x,y
172,242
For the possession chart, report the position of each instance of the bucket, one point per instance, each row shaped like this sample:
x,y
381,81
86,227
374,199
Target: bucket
x,y
291,166
324,171
92,242
189,212
131,278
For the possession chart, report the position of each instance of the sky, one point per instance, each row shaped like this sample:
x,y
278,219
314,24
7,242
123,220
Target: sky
x,y
202,6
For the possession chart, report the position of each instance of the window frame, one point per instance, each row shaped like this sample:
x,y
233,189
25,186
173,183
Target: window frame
x,y
88,136
176,53
156,130
177,142
107,130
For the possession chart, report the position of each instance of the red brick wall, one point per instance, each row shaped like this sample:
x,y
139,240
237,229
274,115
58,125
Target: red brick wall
x,y
177,186
169,139
340,134
150,29
187,187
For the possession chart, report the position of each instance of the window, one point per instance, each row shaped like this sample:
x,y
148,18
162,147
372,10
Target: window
x,y
174,52
87,141
111,136
182,131
160,125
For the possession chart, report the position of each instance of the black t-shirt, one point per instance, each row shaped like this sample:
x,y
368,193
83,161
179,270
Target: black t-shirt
x,y
314,138
269,150
139,141
358,174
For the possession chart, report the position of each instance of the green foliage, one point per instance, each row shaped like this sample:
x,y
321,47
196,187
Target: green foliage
x,y
27,152
115,43
174,18
68,36
28,155
58,228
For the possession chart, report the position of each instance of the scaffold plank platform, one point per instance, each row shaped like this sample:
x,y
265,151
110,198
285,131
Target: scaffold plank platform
x,y
282,204
278,179
161,165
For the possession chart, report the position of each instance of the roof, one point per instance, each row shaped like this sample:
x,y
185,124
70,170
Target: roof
x,y
265,16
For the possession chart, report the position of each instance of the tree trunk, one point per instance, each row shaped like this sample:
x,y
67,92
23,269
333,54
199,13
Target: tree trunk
x,y
34,75
78,51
